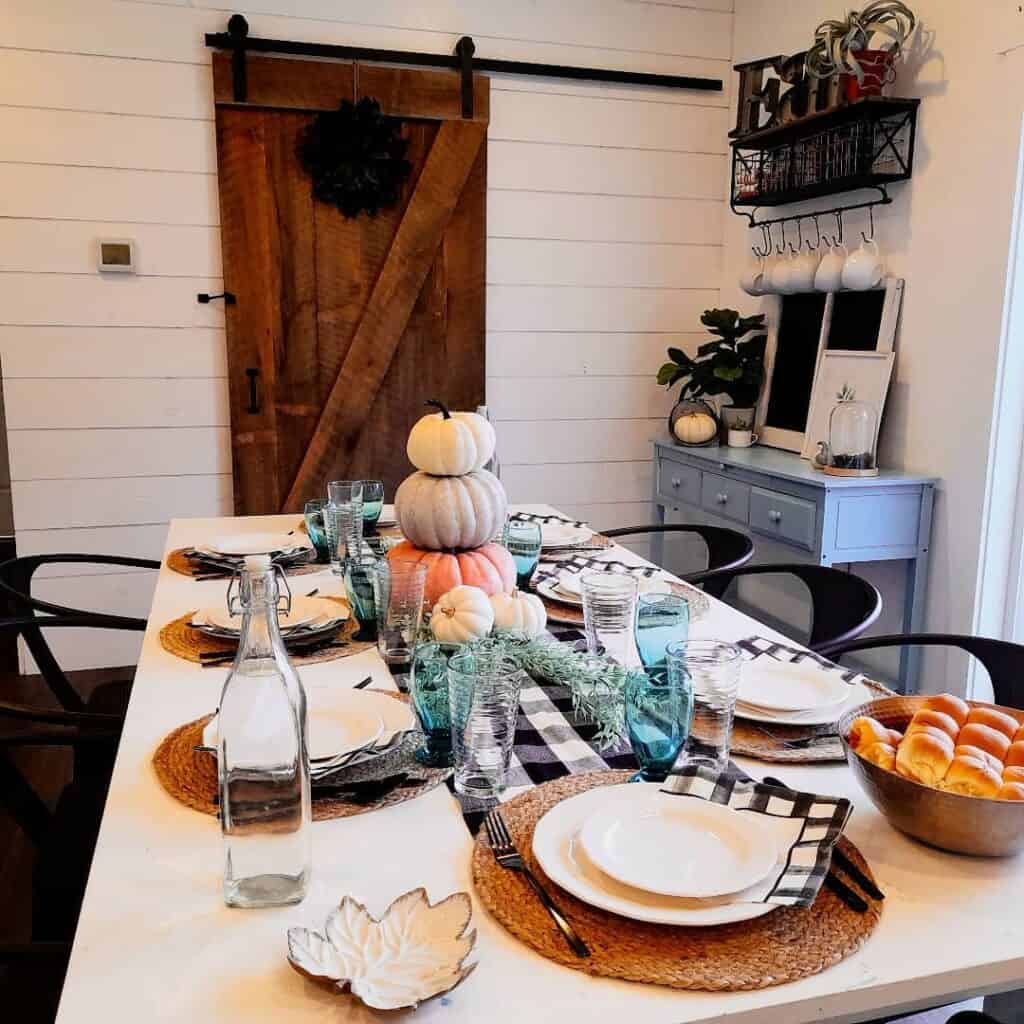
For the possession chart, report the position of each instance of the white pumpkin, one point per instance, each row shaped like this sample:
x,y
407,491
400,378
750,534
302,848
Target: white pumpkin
x,y
450,443
695,428
463,614
444,513
519,613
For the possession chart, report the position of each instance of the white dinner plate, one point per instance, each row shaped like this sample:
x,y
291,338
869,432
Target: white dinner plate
x,y
564,535
305,611
572,583
859,694
770,685
238,544
340,721
550,589
558,851
679,845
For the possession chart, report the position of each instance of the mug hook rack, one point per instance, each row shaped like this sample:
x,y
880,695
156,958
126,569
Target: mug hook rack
x,y
884,199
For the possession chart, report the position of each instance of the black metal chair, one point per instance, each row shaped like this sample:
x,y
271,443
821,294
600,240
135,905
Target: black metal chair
x,y
1003,660
842,605
727,548
63,838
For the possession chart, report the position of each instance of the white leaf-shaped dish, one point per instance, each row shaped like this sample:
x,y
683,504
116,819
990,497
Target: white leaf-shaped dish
x,y
413,952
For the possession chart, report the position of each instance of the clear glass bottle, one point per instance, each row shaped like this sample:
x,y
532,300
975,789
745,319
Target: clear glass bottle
x,y
262,759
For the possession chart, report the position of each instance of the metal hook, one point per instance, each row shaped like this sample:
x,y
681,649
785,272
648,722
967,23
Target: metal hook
x,y
871,217
782,245
839,226
817,231
766,240
800,233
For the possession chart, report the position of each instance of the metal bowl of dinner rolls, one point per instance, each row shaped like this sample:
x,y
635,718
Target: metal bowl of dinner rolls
x,y
946,771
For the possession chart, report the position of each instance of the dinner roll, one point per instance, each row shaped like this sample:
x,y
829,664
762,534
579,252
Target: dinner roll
x,y
1010,791
925,756
895,736
964,750
992,741
882,754
1019,734
998,720
970,776
1013,774
956,708
937,719
1015,755
864,731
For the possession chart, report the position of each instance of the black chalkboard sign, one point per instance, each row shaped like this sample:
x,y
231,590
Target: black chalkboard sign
x,y
856,320
796,354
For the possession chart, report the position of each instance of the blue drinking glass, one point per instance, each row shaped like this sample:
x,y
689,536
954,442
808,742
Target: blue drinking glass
x,y
428,687
373,502
522,538
317,530
661,619
359,573
659,710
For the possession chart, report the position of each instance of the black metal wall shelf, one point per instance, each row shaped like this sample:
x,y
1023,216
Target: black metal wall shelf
x,y
865,144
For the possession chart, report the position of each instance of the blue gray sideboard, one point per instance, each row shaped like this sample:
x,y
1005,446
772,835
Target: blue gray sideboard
x,y
777,495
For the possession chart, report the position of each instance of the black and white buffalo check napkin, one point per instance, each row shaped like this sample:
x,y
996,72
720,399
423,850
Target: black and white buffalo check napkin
x,y
575,564
534,517
808,825
754,647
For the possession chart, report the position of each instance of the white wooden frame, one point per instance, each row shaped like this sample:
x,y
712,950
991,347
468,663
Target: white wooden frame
x,y
824,398
795,440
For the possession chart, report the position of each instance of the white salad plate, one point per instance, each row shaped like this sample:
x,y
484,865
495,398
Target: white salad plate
x,y
239,544
858,694
770,685
305,611
679,845
572,583
560,854
564,535
344,721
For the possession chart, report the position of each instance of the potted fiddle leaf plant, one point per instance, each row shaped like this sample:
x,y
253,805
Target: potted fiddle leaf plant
x,y
731,364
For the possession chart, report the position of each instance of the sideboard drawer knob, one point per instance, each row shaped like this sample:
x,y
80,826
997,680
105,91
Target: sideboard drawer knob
x,y
722,498
775,515
676,482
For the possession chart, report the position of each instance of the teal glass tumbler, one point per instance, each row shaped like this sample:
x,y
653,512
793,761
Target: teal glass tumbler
x,y
360,571
522,538
428,687
316,528
659,712
661,619
373,503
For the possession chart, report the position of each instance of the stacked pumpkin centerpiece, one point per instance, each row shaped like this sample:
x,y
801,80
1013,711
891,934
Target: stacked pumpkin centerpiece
x,y
450,510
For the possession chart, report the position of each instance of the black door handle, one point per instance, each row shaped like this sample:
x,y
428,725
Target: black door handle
x,y
254,403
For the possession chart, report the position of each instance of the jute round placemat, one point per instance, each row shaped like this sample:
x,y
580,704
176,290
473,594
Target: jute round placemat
x,y
190,776
792,744
180,639
177,561
787,944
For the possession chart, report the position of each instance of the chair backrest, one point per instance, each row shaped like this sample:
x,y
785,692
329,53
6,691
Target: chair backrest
x,y
842,604
727,548
1003,660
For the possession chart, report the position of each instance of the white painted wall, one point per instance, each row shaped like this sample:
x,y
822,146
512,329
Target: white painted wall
x,y
948,235
604,220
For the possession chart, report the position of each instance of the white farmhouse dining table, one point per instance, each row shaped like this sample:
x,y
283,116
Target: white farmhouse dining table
x,y
156,943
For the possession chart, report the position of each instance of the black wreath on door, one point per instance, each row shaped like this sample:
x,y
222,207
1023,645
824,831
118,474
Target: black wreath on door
x,y
356,157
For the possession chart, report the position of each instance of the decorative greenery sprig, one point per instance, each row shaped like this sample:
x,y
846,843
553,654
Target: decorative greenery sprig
x,y
731,364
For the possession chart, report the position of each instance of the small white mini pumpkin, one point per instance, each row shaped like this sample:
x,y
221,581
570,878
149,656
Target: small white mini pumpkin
x,y
463,614
695,428
519,613
450,443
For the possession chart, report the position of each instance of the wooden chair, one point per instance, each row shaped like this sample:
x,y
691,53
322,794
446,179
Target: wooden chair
x,y
842,605
1003,661
727,549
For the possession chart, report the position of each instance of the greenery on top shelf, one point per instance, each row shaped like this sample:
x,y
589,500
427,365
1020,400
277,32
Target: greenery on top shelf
x,y
731,364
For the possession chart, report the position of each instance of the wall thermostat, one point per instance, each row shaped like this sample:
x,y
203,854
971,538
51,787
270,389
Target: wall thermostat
x,y
117,255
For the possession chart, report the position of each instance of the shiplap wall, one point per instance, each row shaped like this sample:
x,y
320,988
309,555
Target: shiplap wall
x,y
604,225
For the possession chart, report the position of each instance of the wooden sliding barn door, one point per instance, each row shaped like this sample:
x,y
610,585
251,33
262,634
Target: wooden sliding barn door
x,y
343,328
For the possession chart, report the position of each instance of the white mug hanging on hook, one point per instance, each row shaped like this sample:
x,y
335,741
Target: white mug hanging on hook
x,y
864,267
752,280
803,269
829,275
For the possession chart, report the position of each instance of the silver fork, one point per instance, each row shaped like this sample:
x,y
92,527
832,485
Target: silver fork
x,y
509,857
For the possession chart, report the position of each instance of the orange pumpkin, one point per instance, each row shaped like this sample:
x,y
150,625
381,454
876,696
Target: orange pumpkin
x,y
489,567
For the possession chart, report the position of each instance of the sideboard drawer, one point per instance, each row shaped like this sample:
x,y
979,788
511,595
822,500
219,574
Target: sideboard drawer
x,y
725,497
678,483
783,516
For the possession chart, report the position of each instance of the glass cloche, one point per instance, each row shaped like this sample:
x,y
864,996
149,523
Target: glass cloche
x,y
852,437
